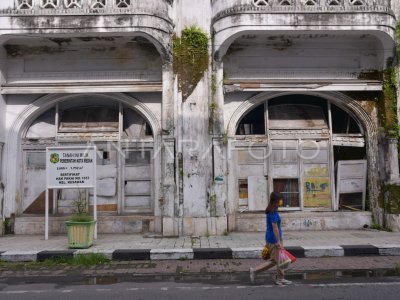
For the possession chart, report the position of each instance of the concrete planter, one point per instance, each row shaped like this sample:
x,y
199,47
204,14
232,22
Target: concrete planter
x,y
80,234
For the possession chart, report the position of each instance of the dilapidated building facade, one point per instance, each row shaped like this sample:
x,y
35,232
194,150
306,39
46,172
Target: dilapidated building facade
x,y
296,97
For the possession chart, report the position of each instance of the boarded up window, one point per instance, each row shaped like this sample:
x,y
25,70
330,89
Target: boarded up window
x,y
257,189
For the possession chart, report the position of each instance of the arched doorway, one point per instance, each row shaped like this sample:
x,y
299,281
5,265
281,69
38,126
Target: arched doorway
x,y
293,144
123,131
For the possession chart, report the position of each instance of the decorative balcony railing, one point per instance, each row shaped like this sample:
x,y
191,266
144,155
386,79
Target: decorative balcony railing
x,y
228,7
84,7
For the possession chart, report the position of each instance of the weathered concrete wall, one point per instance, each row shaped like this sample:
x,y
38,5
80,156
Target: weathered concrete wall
x,y
307,221
85,59
289,57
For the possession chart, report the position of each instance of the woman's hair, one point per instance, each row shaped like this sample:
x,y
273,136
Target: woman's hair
x,y
273,202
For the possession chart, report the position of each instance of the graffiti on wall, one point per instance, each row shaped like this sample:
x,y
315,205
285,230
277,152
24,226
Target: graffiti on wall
x,y
317,192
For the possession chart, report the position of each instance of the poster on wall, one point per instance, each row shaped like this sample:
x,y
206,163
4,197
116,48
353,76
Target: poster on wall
x,y
71,167
317,192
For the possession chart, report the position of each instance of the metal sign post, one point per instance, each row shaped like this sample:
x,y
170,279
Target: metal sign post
x,y
70,168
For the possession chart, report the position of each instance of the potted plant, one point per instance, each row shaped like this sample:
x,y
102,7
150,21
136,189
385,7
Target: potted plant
x,y
81,225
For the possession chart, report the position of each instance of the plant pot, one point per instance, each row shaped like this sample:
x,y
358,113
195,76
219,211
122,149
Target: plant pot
x,y
80,234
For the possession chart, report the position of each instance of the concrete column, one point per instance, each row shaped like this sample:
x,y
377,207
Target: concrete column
x,y
392,162
218,99
168,97
169,202
194,141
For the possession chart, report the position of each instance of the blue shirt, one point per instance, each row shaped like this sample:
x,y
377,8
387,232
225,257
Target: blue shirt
x,y
272,217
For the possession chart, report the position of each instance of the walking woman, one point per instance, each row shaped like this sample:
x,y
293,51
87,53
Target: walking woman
x,y
273,239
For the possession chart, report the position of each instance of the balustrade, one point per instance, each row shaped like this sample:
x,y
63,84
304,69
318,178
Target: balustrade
x,y
224,6
32,7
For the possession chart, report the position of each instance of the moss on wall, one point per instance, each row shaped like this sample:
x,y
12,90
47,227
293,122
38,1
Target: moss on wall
x,y
190,59
213,107
387,103
390,193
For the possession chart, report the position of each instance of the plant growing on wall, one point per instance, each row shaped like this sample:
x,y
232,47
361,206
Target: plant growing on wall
x,y
387,103
190,59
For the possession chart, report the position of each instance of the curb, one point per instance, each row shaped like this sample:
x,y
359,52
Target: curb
x,y
205,253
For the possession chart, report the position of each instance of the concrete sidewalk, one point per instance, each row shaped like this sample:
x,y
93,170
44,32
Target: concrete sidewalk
x,y
234,245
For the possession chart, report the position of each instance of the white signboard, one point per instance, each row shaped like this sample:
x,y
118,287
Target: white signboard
x,y
71,167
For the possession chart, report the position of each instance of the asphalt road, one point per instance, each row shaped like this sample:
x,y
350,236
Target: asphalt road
x,y
314,278
192,287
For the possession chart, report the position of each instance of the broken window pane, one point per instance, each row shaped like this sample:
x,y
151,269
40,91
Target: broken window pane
x,y
89,119
342,122
134,125
253,122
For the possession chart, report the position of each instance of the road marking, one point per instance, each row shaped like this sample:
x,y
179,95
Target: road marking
x,y
321,285
103,290
353,284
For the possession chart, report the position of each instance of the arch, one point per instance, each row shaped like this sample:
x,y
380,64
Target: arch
x,y
33,111
349,105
